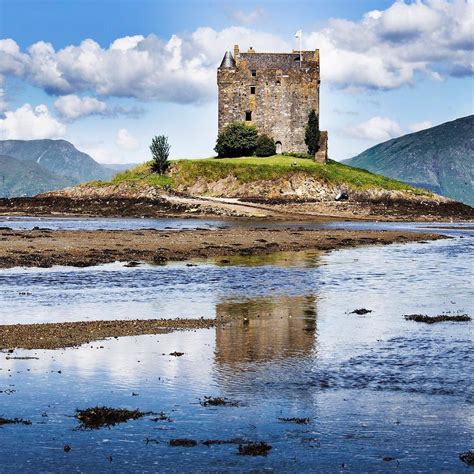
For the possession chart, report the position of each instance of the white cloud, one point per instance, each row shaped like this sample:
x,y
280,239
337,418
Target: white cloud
x,y
72,107
182,69
99,152
26,123
126,141
127,43
416,127
247,18
376,129
3,100
385,49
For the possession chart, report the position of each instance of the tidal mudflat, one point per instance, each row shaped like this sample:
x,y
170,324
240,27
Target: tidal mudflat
x,y
376,392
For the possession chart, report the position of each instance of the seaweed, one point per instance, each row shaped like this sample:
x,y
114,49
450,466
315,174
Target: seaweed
x,y
14,421
298,421
361,311
184,442
218,401
423,318
254,449
99,417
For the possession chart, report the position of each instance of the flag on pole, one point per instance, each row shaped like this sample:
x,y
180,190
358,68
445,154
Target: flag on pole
x,y
299,34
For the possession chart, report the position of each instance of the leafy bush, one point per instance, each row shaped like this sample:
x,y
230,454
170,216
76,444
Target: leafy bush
x,y
237,139
265,146
160,151
312,133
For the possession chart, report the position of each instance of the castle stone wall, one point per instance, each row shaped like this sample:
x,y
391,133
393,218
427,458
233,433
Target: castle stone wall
x,y
285,93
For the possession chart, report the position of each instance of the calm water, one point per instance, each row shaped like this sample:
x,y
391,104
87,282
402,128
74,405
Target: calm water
x,y
111,223
372,386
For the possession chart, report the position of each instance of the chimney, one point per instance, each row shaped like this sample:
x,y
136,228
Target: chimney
x,y
236,53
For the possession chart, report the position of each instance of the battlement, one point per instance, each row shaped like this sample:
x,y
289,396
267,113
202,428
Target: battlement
x,y
252,59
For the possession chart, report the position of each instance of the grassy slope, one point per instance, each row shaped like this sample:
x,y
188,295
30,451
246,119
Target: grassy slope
x,y
248,169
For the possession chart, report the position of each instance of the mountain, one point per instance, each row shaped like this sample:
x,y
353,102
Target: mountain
x,y
20,178
119,166
58,156
55,163
440,159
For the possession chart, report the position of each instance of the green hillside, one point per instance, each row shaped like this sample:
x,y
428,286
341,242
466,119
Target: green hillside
x,y
26,178
252,169
440,159
53,163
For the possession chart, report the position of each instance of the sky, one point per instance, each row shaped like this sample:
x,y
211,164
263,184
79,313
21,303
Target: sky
x,y
108,75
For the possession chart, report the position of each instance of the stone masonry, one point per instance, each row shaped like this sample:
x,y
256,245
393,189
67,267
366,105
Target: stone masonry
x,y
273,91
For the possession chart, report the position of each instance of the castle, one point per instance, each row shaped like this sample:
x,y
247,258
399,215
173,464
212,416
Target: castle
x,y
273,91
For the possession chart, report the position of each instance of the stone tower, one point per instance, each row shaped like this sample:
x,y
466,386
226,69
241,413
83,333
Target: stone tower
x,y
273,91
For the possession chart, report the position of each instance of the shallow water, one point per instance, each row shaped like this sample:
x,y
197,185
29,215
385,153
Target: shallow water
x,y
132,223
372,386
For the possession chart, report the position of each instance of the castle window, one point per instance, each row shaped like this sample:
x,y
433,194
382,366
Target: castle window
x,y
254,72
252,90
248,116
278,82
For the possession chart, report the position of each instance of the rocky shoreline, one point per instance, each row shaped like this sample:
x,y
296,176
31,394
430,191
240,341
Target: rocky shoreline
x,y
45,248
175,205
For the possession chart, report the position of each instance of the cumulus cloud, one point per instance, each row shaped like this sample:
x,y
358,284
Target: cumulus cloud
x,y
375,129
28,123
3,101
126,141
416,127
100,152
182,69
247,17
72,107
385,49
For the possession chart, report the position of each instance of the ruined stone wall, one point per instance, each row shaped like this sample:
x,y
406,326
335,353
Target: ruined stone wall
x,y
285,93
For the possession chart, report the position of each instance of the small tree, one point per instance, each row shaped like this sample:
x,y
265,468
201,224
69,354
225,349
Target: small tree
x,y
160,152
265,146
237,139
312,133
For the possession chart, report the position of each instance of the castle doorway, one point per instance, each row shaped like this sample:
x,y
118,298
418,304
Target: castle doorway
x,y
278,148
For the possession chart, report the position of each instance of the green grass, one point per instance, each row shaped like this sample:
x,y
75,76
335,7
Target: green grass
x,y
140,176
248,169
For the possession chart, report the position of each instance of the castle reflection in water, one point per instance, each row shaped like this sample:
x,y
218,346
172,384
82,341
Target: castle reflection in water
x,y
267,328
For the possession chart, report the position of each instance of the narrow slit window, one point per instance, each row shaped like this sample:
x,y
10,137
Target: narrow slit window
x,y
248,116
254,73
252,90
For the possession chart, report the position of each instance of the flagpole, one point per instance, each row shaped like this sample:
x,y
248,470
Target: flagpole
x,y
301,41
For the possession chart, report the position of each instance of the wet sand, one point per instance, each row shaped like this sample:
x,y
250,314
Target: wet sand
x,y
60,335
45,248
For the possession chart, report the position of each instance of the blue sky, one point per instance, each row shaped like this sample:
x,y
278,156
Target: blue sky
x,y
108,75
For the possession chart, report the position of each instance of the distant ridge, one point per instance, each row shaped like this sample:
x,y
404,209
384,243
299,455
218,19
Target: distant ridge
x,y
33,166
26,178
440,159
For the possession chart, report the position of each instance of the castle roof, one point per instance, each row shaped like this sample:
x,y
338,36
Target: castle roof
x,y
283,61
228,60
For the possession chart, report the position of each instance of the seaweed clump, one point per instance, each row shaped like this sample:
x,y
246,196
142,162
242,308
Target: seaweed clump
x,y
423,318
14,421
99,417
254,449
361,311
218,401
467,458
298,421
184,442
